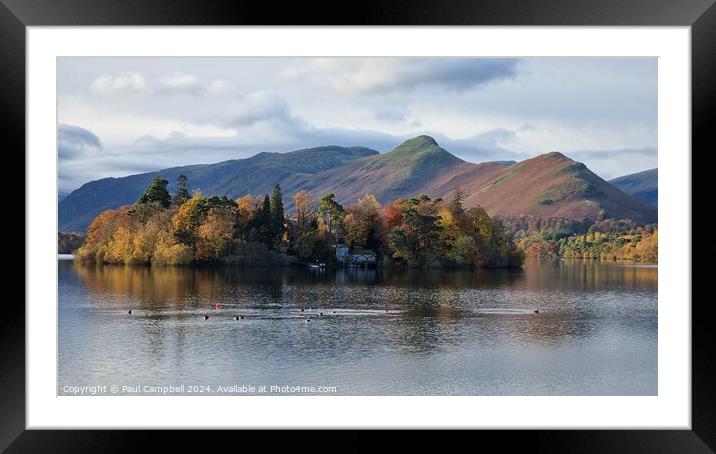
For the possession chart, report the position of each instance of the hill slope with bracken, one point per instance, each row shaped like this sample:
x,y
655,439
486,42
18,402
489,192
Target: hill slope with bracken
x,y
547,186
257,174
553,185
418,166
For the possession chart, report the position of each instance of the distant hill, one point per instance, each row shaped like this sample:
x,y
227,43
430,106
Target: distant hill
x,y
550,185
642,185
547,186
257,174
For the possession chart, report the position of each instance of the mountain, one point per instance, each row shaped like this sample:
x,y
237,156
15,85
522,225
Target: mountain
x,y
418,166
61,195
257,174
549,185
642,185
553,185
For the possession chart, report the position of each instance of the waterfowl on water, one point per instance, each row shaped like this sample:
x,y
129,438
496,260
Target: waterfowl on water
x,y
308,319
302,309
320,314
334,312
129,312
206,317
236,318
536,312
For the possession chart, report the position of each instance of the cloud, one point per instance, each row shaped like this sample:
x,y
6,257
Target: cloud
x,y
380,76
180,83
220,87
75,142
391,113
126,82
258,106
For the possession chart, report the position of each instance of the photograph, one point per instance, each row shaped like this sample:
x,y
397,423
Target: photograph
x,y
357,226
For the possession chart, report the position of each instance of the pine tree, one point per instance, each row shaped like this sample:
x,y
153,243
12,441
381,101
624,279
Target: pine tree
x,y
182,194
277,215
156,192
456,201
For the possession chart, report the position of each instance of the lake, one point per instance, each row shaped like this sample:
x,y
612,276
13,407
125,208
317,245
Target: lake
x,y
381,333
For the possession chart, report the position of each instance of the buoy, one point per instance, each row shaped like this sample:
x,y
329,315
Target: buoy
x,y
129,312
206,317
217,306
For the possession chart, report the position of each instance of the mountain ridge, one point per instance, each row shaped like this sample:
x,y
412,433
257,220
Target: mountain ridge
x,y
548,185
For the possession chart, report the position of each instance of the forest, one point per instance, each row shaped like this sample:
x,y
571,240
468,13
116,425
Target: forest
x,y
184,228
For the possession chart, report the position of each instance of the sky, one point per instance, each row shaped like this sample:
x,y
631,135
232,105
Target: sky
x,y
123,115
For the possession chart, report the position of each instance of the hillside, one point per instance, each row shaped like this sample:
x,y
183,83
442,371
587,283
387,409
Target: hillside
x,y
418,166
553,185
642,185
257,174
547,186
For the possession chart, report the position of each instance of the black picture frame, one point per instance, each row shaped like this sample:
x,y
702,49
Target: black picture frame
x,y
700,15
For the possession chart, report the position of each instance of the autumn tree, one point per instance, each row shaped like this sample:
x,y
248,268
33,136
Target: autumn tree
x,y
305,209
214,234
364,224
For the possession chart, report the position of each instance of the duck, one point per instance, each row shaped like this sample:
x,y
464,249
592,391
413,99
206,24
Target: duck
x,y
129,312
320,314
536,311
302,309
206,317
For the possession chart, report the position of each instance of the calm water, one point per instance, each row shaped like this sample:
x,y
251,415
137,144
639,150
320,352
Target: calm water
x,y
382,333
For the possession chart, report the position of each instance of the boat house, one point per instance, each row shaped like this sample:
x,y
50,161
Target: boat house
x,y
346,257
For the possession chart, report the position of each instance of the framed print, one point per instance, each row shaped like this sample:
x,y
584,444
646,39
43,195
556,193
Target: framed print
x,y
424,221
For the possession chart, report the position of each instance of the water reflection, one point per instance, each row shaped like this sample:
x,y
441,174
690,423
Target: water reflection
x,y
381,332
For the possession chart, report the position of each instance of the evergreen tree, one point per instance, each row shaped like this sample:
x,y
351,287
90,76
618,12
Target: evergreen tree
x,y
456,201
332,213
156,192
277,213
182,194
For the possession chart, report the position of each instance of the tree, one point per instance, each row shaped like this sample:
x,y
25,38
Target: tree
x,y
455,205
277,216
156,192
182,194
364,224
246,206
332,214
214,235
415,240
305,209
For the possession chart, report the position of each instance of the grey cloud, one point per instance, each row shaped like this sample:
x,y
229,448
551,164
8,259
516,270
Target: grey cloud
x,y
74,141
405,75
179,83
390,113
606,154
256,107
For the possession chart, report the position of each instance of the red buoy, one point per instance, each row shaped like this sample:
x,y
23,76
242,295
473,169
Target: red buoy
x,y
218,306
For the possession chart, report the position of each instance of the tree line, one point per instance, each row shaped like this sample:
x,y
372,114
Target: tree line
x,y
182,228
